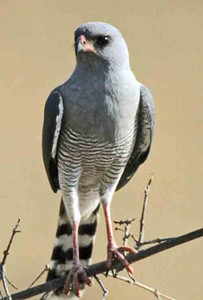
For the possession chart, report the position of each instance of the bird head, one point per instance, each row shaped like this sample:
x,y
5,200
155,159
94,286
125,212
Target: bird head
x,y
100,43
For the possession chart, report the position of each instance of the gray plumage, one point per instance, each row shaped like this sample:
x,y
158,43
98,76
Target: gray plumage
x,y
98,125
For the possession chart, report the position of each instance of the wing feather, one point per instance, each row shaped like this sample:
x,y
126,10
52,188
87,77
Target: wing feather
x,y
53,116
144,136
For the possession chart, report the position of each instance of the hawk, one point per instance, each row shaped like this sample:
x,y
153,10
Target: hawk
x,y
98,129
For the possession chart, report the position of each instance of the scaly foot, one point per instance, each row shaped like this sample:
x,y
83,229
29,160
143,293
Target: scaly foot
x,y
114,251
76,274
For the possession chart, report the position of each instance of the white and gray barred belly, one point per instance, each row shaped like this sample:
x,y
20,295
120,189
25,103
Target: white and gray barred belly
x,y
85,162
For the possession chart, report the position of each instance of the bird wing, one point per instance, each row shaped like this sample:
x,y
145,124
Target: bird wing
x,y
53,116
145,130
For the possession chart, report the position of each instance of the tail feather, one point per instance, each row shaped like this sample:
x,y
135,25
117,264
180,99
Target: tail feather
x,y
62,256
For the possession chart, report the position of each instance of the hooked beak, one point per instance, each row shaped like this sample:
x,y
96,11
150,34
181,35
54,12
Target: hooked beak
x,y
83,45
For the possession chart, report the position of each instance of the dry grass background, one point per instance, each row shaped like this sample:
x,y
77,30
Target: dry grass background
x,y
36,54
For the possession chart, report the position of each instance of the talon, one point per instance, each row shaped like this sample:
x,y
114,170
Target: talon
x,y
66,289
113,250
76,286
130,269
128,249
76,273
87,281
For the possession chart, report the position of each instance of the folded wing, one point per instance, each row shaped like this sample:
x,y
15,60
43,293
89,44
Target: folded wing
x,y
53,116
145,130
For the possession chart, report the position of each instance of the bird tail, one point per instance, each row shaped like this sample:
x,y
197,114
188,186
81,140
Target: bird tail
x,y
62,256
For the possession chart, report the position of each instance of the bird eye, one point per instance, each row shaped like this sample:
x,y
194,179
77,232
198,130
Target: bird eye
x,y
102,40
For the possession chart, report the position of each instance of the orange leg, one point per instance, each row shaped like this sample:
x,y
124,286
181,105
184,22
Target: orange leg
x,y
77,271
112,249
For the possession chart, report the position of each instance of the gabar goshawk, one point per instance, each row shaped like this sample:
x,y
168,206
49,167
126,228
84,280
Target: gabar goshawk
x,y
98,129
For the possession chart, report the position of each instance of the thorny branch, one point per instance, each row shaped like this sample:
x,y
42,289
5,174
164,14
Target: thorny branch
x,y
101,267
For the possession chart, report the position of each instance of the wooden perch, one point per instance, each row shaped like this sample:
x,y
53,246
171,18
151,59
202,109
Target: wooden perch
x,y
101,267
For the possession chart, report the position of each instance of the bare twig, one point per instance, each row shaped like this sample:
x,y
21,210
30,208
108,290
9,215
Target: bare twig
x,y
135,282
6,252
140,241
126,222
4,283
126,229
155,241
5,255
101,267
9,282
146,194
105,292
158,295
46,268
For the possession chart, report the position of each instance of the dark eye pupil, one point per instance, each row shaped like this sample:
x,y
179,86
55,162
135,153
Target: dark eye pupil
x,y
102,40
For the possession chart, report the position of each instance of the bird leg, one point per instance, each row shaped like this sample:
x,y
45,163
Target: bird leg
x,y
77,272
112,249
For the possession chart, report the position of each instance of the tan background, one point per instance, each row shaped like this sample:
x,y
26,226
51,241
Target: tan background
x,y
166,48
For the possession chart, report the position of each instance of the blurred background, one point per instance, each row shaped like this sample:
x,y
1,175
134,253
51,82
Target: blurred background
x,y
166,52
